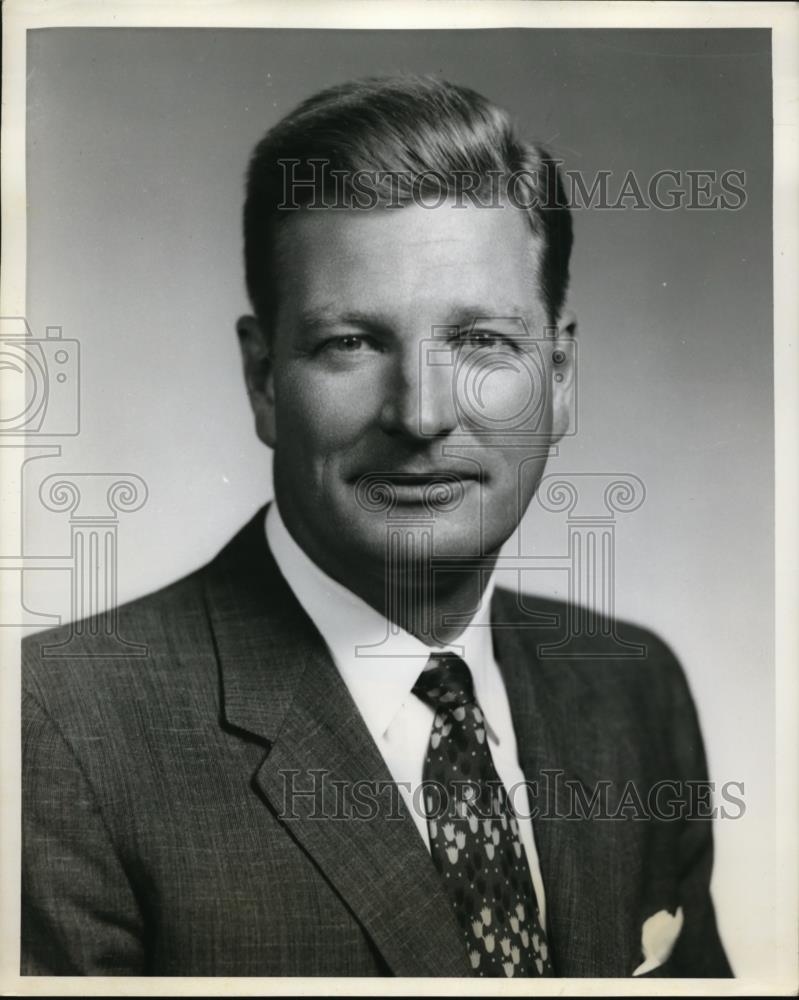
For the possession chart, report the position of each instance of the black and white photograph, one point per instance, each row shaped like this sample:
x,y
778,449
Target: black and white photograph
x,y
396,530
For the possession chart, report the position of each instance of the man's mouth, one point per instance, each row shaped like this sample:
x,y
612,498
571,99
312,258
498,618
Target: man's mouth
x,y
434,487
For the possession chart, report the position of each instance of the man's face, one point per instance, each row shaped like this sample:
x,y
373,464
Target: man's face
x,y
408,348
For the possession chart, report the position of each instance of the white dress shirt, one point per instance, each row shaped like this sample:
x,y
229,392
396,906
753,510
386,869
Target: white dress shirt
x,y
380,666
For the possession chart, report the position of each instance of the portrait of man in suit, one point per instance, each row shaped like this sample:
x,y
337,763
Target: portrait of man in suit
x,y
349,751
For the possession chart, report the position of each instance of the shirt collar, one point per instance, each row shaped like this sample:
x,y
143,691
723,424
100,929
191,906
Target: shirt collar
x,y
378,661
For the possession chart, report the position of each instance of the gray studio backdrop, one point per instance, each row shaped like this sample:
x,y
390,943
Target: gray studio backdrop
x,y
137,144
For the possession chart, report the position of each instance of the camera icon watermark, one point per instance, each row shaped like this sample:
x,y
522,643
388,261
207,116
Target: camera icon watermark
x,y
43,379
502,378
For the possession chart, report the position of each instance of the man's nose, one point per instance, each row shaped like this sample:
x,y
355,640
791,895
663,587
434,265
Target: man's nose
x,y
419,400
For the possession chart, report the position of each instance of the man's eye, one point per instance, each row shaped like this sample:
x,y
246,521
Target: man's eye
x,y
347,344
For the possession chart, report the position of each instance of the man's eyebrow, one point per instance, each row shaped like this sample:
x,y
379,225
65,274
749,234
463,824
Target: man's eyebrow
x,y
465,315
325,316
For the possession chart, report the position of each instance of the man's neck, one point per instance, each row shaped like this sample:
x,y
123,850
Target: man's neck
x,y
432,603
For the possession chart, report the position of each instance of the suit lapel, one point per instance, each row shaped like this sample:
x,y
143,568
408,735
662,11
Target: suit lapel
x,y
280,684
559,743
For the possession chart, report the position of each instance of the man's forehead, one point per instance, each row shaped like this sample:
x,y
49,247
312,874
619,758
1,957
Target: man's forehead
x,y
464,262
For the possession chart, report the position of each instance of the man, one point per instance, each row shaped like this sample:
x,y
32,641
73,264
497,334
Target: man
x,y
345,752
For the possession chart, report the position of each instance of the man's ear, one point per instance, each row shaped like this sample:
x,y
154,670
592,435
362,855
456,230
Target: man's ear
x,y
563,374
256,354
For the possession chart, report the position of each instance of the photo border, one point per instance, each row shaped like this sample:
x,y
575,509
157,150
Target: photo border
x,y
20,16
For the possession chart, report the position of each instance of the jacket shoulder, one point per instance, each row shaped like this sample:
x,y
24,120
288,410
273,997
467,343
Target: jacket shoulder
x,y
129,651
156,647
107,633
594,661
562,631
162,620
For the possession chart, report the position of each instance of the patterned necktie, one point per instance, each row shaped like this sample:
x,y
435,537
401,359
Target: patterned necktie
x,y
474,835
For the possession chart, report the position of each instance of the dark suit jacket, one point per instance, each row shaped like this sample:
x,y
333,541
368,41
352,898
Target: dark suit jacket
x,y
155,834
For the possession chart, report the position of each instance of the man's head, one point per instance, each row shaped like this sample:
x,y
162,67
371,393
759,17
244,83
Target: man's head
x,y
407,260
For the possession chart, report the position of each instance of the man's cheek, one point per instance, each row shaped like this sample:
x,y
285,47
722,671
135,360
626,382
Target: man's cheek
x,y
324,419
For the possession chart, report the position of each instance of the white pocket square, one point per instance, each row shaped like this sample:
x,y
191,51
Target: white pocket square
x,y
658,936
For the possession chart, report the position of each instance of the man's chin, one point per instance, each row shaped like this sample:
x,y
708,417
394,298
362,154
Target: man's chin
x,y
391,542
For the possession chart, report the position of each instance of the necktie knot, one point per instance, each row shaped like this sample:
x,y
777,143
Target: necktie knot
x,y
446,683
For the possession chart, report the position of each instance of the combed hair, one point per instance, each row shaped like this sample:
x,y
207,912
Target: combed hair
x,y
408,126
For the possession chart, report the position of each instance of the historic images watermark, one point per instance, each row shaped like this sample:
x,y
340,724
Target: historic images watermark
x,y
553,795
40,408
315,184
49,372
